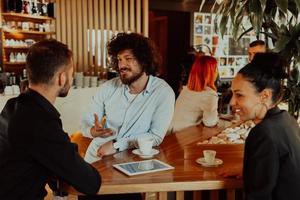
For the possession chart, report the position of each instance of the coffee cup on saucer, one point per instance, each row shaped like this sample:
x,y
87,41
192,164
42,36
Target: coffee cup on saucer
x,y
209,156
145,145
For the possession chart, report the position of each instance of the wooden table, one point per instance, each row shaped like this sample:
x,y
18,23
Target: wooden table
x,y
179,150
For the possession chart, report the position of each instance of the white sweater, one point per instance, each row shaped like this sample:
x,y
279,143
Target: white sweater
x,y
192,107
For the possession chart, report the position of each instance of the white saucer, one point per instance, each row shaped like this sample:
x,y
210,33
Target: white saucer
x,y
139,153
202,162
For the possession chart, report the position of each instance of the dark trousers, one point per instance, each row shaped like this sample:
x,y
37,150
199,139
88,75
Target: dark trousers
x,y
135,196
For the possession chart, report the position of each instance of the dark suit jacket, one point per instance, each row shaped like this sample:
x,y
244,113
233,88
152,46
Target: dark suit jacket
x,y
272,158
34,148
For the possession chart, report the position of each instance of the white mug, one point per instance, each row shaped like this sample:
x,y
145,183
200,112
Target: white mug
x,y
145,145
209,156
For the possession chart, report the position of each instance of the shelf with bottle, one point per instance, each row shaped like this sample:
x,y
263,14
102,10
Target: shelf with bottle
x,y
12,31
24,22
16,47
14,63
39,8
21,16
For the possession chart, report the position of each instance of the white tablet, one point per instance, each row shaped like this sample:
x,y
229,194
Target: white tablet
x,y
142,167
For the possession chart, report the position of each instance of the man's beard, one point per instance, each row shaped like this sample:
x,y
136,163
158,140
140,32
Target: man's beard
x,y
131,79
63,92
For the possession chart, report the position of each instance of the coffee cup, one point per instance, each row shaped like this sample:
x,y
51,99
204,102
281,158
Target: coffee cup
x,y
145,145
209,156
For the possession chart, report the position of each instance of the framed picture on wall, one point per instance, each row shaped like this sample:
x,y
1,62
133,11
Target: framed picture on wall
x,y
198,40
207,40
198,19
199,29
207,30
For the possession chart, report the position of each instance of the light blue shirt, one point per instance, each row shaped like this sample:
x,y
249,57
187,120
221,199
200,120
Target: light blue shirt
x,y
149,113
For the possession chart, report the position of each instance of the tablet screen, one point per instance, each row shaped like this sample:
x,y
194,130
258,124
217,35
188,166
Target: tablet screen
x,y
142,167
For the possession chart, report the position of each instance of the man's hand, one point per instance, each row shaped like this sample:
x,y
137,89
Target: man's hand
x,y
99,130
106,149
236,171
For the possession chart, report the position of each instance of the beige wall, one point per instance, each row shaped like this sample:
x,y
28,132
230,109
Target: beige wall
x,y
75,17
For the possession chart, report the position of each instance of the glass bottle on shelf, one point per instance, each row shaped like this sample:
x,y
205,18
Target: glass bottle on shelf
x,y
34,10
44,10
26,7
12,57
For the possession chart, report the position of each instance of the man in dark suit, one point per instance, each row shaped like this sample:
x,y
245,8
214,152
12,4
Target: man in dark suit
x,y
34,149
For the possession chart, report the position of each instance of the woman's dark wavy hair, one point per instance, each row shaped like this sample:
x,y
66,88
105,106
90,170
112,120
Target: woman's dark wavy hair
x,y
142,48
267,70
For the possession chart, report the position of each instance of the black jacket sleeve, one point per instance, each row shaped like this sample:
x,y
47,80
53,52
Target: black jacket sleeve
x,y
261,165
54,150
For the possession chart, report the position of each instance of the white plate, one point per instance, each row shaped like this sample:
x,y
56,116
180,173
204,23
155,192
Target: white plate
x,y
202,162
139,153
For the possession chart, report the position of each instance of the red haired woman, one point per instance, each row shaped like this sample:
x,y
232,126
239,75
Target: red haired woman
x,y
198,100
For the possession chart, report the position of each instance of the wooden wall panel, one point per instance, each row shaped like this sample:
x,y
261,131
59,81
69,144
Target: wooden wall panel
x,y
85,36
74,34
132,15
80,34
69,24
63,21
138,17
90,28
103,18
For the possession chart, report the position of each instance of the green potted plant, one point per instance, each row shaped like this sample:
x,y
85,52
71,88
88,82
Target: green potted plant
x,y
276,19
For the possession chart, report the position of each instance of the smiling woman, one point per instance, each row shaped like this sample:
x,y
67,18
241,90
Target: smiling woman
x,y
272,149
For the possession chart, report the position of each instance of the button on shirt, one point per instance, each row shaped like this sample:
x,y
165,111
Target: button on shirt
x,y
148,113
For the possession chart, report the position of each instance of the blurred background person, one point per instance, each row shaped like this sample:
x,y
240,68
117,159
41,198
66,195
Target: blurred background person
x,y
257,46
198,100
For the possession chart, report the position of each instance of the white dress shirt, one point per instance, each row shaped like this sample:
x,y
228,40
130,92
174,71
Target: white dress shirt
x,y
147,114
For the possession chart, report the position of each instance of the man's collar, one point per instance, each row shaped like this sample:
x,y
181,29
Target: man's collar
x,y
43,102
148,88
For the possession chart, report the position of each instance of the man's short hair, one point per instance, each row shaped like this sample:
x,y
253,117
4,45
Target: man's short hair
x,y
257,43
142,48
45,58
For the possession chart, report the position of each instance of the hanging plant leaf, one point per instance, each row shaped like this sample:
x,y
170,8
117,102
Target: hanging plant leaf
x,y
245,32
297,2
270,35
285,33
223,25
256,15
297,56
281,43
292,7
263,5
254,6
274,29
282,5
256,22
